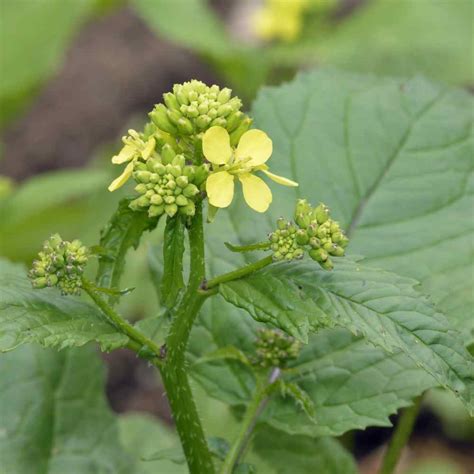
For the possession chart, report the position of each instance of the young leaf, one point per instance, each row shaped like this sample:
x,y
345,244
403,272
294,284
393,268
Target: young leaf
x,y
381,306
46,317
286,454
173,250
122,233
290,389
54,414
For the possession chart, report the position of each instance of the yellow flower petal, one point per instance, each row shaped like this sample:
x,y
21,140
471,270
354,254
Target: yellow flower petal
x,y
256,192
150,146
122,179
126,154
220,188
280,179
256,145
216,145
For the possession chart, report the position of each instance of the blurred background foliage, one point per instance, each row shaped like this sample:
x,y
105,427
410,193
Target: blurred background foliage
x,y
75,74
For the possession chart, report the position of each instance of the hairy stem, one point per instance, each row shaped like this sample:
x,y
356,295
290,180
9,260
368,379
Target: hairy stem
x,y
138,340
173,372
239,273
254,409
400,437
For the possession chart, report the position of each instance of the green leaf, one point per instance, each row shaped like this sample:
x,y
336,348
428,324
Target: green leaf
x,y
54,414
393,160
122,233
22,28
46,317
176,19
60,201
173,250
141,435
381,306
292,390
285,454
428,38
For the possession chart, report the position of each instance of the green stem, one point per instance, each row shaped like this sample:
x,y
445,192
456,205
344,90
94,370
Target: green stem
x,y
254,409
173,372
239,273
400,437
248,248
137,339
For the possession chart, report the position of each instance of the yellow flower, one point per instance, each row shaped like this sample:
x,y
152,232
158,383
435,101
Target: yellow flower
x,y
280,19
251,154
134,149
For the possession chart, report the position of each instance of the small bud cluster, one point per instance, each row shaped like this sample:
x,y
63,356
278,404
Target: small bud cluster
x,y
274,348
60,264
313,231
167,185
284,241
319,233
193,107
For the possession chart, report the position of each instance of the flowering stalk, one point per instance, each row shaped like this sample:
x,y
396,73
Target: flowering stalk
x,y
173,372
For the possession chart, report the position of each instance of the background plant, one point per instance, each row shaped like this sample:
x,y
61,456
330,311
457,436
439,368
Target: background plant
x,y
70,195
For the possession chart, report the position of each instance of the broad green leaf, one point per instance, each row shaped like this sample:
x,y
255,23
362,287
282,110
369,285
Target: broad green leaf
x,y
60,201
351,383
43,27
191,23
393,160
381,306
46,317
428,37
123,232
141,435
285,454
173,250
55,417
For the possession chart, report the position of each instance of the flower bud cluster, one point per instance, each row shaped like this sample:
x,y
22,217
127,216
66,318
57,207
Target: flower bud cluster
x,y
193,107
167,185
60,263
321,235
274,348
284,241
313,231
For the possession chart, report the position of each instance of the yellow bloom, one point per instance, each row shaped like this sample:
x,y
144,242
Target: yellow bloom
x,y
280,19
251,154
134,149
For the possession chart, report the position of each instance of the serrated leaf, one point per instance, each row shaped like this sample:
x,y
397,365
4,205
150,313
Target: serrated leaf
x,y
46,317
393,160
381,306
122,233
173,250
292,390
54,414
286,454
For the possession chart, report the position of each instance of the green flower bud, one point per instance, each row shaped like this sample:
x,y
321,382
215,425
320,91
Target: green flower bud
x,y
167,153
302,237
160,118
236,134
189,209
171,101
141,188
60,264
321,214
274,348
319,255
171,209
181,200
154,211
